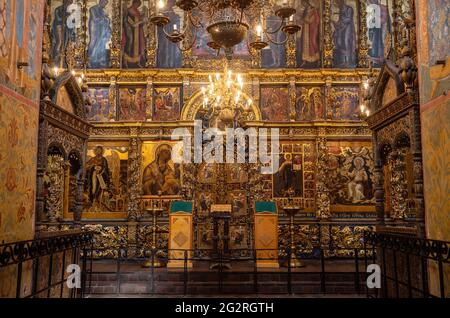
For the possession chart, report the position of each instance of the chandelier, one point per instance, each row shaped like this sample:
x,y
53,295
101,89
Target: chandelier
x,y
228,23
223,102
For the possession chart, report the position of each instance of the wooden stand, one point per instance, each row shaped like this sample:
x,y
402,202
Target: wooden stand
x,y
180,235
266,235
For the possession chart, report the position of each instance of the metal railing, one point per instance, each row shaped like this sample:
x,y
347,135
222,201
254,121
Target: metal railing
x,y
320,272
42,264
410,267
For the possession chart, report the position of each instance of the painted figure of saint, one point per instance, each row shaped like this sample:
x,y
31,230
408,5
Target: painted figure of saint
x,y
358,186
62,34
309,46
274,55
378,26
169,56
159,176
344,37
97,176
133,41
100,35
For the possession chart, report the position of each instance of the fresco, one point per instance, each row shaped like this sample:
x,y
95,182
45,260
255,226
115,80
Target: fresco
x,y
159,173
135,18
344,103
100,31
289,176
439,46
275,103
100,108
168,54
20,39
350,174
64,25
167,103
379,27
274,56
18,131
310,104
132,101
344,27
309,49
106,177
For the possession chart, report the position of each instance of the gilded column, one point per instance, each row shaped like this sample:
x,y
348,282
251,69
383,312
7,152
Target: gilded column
x,y
149,99
113,97
378,182
116,45
151,42
291,49
328,37
292,98
363,50
323,202
134,179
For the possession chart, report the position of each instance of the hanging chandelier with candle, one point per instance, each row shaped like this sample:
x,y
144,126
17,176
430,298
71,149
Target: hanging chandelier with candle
x,y
229,23
223,100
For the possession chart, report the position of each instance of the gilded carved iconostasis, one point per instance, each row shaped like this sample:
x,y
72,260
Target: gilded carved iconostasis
x,y
141,86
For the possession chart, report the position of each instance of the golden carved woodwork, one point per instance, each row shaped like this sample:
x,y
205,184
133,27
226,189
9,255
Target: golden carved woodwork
x,y
180,239
266,239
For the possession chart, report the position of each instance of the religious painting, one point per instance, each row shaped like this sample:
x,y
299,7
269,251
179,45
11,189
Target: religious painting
x,y
133,103
310,104
135,18
439,45
350,174
275,103
344,103
167,103
106,186
160,175
238,201
344,20
379,28
289,177
168,53
205,200
238,237
66,20
100,108
100,32
309,39
236,173
207,173
274,55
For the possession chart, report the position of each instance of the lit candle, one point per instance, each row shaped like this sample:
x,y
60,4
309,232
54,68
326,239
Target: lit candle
x,y
56,70
258,30
250,102
217,76
368,113
366,85
175,28
291,18
160,5
363,108
203,90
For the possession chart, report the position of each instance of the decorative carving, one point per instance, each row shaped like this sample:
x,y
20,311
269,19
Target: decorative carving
x,y
134,179
323,201
54,179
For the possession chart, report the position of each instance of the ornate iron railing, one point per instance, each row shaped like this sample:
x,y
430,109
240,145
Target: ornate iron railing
x,y
41,264
410,267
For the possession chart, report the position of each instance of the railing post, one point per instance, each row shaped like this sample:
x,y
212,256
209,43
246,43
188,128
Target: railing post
x,y
357,282
289,271
255,272
322,272
185,277
152,269
118,273
63,265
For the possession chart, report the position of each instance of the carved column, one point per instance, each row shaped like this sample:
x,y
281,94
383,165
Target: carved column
x,y
116,46
113,96
78,208
41,166
149,98
363,50
134,179
151,37
378,182
416,149
328,91
291,46
323,202
292,98
328,37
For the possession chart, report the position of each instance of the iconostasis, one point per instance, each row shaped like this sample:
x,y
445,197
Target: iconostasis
x,y
141,87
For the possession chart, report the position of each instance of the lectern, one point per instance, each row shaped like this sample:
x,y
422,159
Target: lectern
x,y
181,234
266,234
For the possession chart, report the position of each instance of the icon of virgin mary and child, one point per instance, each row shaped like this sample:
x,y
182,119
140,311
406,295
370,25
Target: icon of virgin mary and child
x,y
161,176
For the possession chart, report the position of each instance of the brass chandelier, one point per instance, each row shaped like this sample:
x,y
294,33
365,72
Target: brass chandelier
x,y
228,23
223,98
